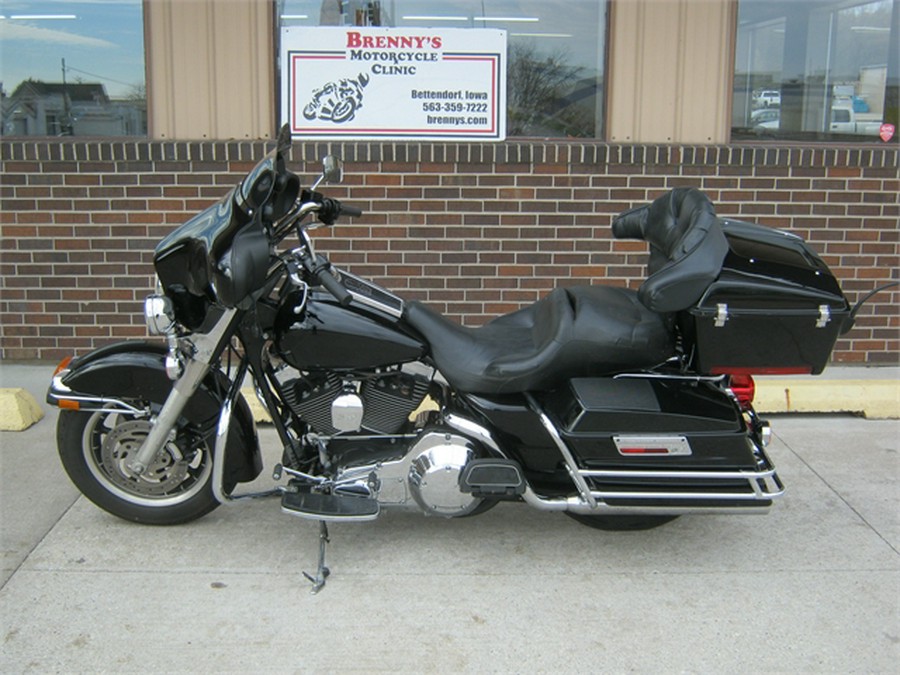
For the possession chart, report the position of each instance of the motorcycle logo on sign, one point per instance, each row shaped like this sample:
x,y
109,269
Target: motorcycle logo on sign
x,y
886,132
337,101
417,82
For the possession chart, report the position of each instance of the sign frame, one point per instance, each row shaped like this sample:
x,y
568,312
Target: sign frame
x,y
352,82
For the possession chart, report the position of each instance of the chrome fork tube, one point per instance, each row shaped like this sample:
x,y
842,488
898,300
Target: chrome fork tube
x,y
219,454
195,370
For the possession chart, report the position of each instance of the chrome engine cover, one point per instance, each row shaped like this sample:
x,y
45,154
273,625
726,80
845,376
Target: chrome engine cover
x,y
433,479
427,475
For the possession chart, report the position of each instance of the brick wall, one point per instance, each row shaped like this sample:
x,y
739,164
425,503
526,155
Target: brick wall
x,y
474,229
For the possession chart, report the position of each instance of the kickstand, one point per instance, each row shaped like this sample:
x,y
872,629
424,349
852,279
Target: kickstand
x,y
322,572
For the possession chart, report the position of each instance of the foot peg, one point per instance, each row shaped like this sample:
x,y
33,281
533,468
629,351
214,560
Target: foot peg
x,y
493,478
319,506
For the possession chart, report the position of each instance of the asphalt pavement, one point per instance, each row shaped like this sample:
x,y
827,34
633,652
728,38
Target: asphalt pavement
x,y
813,586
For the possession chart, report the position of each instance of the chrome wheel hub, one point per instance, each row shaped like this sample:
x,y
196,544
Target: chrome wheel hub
x,y
162,477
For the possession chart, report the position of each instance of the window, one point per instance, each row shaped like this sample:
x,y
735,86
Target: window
x,y
555,51
816,69
72,68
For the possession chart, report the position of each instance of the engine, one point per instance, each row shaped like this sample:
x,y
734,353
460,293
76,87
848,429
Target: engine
x,y
426,473
379,402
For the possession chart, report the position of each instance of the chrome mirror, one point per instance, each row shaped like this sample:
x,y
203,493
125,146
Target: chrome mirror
x,y
332,169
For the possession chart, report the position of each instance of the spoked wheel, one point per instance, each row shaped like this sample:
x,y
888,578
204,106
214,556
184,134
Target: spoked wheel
x,y
344,111
95,449
622,523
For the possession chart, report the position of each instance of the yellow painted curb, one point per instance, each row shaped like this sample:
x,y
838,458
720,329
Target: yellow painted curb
x,y
18,410
876,399
260,414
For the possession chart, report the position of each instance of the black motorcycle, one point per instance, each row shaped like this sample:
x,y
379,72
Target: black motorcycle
x,y
621,408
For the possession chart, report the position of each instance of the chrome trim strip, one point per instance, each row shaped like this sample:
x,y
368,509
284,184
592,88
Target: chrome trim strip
x,y
374,304
358,283
711,496
763,485
59,391
664,376
698,475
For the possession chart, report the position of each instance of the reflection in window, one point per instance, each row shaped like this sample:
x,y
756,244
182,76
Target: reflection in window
x,y
555,52
815,69
72,68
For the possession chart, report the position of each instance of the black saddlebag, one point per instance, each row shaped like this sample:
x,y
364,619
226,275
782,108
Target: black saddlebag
x,y
775,308
651,422
672,444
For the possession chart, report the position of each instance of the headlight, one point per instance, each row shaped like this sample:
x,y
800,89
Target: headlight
x,y
159,315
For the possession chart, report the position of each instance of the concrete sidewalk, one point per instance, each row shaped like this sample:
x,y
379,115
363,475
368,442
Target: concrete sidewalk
x,y
813,586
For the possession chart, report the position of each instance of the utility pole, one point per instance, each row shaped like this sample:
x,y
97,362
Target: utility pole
x,y
66,125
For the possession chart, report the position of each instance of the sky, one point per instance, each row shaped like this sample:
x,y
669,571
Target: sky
x,y
100,40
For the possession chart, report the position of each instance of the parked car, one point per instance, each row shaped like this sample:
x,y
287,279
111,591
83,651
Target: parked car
x,y
768,98
765,115
765,121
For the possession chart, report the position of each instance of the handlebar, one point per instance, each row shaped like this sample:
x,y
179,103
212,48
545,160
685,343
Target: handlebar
x,y
335,287
320,270
327,211
331,209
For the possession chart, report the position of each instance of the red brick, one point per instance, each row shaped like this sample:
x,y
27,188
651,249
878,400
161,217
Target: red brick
x,y
481,238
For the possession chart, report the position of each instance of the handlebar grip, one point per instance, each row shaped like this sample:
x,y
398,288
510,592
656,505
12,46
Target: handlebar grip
x,y
350,211
335,287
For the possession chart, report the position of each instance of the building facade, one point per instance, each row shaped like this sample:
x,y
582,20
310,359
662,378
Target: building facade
x,y
474,228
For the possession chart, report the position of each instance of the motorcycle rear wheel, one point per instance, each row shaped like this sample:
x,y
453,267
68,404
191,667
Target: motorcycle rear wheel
x,y
624,523
176,489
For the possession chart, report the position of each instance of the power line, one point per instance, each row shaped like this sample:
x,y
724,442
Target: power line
x,y
102,77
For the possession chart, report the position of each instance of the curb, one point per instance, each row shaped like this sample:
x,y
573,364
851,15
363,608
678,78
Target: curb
x,y
18,410
876,399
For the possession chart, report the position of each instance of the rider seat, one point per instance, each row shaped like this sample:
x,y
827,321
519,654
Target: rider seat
x,y
572,332
588,331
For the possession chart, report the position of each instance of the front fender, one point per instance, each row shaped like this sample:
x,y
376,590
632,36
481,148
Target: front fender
x,y
135,372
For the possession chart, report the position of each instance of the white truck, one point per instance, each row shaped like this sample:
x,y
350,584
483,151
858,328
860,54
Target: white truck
x,y
845,120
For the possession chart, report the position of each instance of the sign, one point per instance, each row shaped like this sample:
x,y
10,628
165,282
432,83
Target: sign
x,y
394,83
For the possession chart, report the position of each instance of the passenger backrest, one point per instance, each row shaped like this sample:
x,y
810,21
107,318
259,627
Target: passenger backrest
x,y
687,247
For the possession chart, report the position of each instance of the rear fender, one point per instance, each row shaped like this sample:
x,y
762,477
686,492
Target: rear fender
x,y
134,372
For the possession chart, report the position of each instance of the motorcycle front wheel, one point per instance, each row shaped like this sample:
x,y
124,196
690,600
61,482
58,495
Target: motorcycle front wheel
x,y
95,448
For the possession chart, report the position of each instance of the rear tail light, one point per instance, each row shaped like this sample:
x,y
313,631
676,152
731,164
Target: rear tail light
x,y
743,388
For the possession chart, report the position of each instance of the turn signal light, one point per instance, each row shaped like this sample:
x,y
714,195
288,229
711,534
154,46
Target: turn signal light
x,y
62,365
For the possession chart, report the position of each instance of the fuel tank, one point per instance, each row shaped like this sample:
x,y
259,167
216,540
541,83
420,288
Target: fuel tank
x,y
324,335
